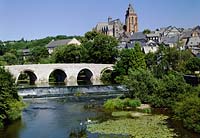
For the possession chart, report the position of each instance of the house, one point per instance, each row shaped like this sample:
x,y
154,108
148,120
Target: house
x,y
150,47
54,44
110,28
193,42
170,41
154,36
196,31
138,37
172,31
26,53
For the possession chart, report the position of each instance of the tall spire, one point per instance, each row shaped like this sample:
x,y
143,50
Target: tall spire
x,y
131,20
130,9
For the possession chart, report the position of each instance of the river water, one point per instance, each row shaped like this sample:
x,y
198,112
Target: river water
x,y
66,117
54,118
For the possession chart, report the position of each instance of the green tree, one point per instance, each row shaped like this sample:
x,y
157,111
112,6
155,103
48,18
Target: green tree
x,y
91,35
146,31
141,84
193,64
167,59
170,87
129,59
37,53
102,49
10,58
10,103
3,49
188,111
69,54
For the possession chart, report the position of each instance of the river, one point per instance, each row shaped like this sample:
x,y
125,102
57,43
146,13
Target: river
x,y
65,117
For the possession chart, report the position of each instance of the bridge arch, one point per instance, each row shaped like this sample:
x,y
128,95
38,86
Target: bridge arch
x,y
27,76
85,76
57,76
106,70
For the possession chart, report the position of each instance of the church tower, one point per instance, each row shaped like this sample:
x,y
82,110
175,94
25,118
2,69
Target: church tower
x,y
131,20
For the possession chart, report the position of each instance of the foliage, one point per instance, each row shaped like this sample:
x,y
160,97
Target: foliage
x,y
106,78
10,103
171,86
167,59
141,127
68,54
159,92
38,53
187,110
101,48
91,35
193,64
10,58
141,84
146,31
120,104
113,104
129,59
134,103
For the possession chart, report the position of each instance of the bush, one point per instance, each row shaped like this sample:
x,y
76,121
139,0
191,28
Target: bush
x,y
188,111
113,104
134,103
120,104
11,104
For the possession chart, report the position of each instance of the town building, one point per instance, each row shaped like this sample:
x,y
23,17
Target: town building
x,y
54,44
116,28
131,20
110,28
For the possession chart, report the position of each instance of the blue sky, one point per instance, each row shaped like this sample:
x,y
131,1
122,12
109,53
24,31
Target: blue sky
x,y
34,19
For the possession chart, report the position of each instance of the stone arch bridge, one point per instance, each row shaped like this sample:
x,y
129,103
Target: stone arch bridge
x,y
40,73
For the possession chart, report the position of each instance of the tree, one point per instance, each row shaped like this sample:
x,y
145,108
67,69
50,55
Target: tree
x,y
10,103
167,59
103,49
146,31
171,86
37,53
69,54
10,58
193,64
91,35
187,110
141,84
3,49
130,59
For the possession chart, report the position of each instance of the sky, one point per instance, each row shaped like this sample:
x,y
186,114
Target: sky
x,y
35,19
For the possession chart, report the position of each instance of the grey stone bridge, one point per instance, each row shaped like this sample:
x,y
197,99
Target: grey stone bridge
x,y
40,73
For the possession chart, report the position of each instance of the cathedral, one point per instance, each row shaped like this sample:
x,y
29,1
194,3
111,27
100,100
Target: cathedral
x,y
115,27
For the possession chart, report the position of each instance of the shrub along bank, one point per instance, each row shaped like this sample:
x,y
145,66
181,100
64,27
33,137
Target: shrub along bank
x,y
11,104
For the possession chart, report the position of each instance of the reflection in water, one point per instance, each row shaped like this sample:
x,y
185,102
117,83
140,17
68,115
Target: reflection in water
x,y
63,118
53,118
13,130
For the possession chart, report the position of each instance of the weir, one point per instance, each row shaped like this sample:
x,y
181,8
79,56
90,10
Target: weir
x,y
85,90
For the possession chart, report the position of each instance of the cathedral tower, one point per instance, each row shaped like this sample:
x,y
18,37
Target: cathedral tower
x,y
131,20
